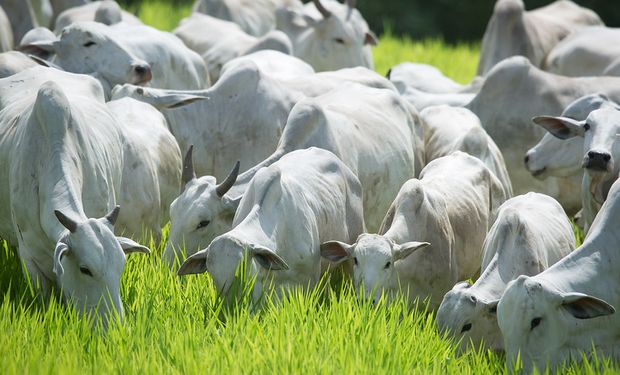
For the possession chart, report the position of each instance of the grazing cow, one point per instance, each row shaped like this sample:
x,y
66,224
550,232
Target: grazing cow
x,y
600,153
513,31
6,33
291,207
255,17
329,35
585,52
448,129
219,41
13,62
531,233
432,235
357,131
514,92
61,153
428,79
107,12
567,309
124,53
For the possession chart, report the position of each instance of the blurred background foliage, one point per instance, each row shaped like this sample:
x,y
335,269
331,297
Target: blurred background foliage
x,y
450,20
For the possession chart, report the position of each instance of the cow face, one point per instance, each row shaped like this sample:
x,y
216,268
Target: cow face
x,y
374,260
538,322
88,263
336,37
465,316
202,211
554,157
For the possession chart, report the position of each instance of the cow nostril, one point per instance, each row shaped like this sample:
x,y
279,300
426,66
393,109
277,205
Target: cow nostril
x,y
606,157
140,69
526,159
591,154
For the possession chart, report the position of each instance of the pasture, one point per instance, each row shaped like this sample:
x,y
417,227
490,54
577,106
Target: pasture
x,y
175,325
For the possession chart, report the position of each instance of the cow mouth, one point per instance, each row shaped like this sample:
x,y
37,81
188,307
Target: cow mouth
x,y
539,172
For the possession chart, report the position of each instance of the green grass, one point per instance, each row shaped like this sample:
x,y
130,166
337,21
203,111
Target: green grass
x,y
178,325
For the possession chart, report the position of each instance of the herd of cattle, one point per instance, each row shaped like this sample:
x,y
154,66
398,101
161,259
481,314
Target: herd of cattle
x,y
260,131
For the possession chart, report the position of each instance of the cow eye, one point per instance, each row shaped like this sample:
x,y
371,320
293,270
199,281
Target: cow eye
x,y
355,261
387,265
86,271
339,40
535,322
203,224
586,127
466,327
89,43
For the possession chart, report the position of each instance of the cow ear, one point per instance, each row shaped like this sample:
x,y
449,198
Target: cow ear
x,y
267,258
336,252
130,246
61,250
371,39
50,46
561,127
195,264
402,251
491,306
583,306
231,204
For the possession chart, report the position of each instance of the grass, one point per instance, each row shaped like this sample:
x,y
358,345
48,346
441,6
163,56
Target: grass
x,y
178,325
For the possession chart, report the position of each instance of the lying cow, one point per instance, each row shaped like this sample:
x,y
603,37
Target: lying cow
x,y
531,233
107,12
514,31
66,143
585,52
290,208
357,131
328,35
432,234
448,129
568,309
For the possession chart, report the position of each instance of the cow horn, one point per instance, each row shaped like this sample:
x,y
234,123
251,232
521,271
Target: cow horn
x,y
188,166
326,13
66,221
113,215
223,188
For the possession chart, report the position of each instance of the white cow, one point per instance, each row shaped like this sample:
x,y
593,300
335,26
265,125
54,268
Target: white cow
x,y
329,35
357,131
531,233
67,144
219,41
448,129
600,153
107,12
6,33
513,31
124,53
14,62
255,17
290,208
585,52
568,309
514,92
428,79
432,234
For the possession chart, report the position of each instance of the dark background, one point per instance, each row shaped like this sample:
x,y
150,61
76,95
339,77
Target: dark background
x,y
452,20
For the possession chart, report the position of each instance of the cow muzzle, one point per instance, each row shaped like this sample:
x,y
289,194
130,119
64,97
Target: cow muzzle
x,y
597,161
142,73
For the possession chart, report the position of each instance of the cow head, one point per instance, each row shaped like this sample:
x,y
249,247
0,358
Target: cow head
x,y
202,211
375,259
539,322
88,263
468,317
224,255
330,37
90,48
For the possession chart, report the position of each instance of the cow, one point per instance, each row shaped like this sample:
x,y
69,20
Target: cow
x,y
13,62
291,207
513,93
219,41
61,153
431,236
531,233
585,52
107,12
124,53
514,31
357,131
6,33
329,35
566,311
447,129
255,17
